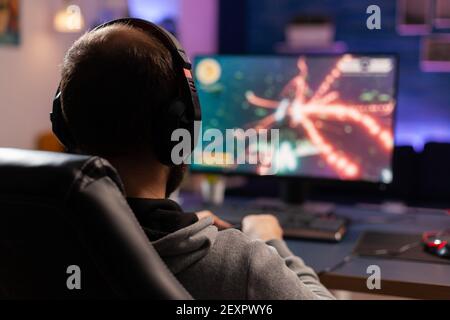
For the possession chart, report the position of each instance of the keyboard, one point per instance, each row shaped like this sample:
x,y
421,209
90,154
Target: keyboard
x,y
296,221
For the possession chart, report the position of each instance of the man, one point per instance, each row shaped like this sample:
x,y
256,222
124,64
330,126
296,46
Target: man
x,y
115,81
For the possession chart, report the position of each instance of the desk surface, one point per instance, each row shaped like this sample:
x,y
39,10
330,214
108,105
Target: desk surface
x,y
398,277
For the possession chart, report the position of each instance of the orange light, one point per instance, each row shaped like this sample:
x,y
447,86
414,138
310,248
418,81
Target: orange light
x,y
69,19
332,158
327,149
341,163
351,170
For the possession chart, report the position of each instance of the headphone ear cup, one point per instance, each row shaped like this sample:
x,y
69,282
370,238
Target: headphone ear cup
x,y
59,125
174,118
176,109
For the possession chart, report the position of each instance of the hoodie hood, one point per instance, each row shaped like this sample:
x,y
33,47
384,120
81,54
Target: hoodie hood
x,y
186,246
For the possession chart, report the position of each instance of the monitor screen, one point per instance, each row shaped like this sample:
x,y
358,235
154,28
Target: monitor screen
x,y
332,114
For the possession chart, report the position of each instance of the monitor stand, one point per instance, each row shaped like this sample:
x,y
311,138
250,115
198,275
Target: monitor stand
x,y
294,191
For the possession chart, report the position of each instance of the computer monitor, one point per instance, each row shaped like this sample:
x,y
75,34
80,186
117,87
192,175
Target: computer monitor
x,y
335,113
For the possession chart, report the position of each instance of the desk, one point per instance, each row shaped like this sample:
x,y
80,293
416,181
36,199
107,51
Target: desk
x,y
398,277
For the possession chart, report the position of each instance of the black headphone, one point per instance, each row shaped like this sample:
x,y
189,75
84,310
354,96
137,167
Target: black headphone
x,y
183,112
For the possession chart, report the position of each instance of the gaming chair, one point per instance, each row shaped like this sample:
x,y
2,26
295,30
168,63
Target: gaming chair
x,y
60,210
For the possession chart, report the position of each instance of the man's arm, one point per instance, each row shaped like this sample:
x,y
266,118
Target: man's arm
x,y
219,223
274,272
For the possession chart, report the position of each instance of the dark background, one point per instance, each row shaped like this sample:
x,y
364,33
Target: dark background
x,y
423,114
421,172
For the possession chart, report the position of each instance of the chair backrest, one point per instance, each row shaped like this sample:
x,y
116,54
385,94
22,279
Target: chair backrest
x,y
59,210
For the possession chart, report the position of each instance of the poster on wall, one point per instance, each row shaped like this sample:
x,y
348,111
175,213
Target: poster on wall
x,y
9,22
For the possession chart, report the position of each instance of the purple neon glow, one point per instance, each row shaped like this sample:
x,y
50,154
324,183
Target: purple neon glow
x,y
413,29
419,135
154,10
435,66
442,23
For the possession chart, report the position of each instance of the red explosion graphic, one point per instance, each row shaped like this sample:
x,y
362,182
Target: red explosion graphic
x,y
301,110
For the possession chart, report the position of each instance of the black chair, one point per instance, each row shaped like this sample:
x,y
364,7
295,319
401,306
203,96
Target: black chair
x,y
59,210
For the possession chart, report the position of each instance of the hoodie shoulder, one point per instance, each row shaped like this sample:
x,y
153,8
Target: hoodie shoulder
x,y
223,272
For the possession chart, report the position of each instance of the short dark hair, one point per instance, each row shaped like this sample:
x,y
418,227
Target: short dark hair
x,y
115,81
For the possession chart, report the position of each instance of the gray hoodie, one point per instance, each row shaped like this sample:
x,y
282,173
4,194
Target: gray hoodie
x,y
214,264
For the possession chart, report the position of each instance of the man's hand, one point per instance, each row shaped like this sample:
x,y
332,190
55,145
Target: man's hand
x,y
219,223
263,227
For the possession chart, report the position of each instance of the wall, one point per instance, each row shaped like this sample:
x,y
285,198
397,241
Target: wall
x,y
198,28
424,98
197,20
29,73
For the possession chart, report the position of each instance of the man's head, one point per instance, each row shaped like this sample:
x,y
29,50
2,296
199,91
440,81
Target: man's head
x,y
115,83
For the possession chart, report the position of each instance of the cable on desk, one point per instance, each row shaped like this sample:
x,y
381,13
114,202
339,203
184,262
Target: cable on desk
x,y
343,262
399,251
379,252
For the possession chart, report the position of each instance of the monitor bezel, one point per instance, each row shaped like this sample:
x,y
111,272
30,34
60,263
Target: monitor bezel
x,y
304,177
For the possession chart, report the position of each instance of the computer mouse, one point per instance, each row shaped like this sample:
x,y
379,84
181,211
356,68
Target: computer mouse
x,y
437,243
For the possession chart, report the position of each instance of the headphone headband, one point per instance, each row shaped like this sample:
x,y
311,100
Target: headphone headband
x,y
169,41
